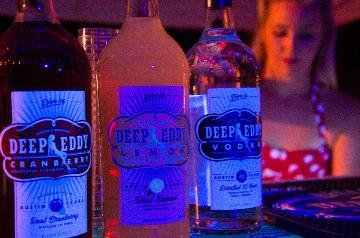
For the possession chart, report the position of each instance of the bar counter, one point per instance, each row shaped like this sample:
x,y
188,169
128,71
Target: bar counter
x,y
328,207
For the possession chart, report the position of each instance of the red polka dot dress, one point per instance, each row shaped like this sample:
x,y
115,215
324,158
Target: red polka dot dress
x,y
279,164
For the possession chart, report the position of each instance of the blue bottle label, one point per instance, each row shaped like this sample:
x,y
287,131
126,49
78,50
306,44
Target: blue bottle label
x,y
232,135
150,145
46,148
149,139
229,147
47,152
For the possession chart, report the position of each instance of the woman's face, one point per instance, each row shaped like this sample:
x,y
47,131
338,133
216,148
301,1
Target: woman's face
x,y
292,36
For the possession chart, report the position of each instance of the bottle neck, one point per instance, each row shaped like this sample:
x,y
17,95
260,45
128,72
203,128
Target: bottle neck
x,y
219,18
142,15
36,10
142,8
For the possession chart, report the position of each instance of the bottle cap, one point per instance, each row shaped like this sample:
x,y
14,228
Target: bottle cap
x,y
218,3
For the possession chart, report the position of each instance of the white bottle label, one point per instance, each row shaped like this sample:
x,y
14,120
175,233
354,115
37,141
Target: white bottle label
x,y
47,152
229,136
150,144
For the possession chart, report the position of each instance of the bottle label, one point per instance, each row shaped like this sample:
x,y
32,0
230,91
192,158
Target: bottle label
x,y
47,148
232,135
47,152
229,137
149,143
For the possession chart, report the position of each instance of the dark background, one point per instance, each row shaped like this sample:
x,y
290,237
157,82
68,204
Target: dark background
x,y
347,47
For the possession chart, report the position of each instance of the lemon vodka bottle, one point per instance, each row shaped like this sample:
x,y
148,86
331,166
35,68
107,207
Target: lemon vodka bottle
x,y
143,89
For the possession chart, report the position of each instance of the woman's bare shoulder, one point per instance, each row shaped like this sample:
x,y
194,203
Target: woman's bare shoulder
x,y
341,108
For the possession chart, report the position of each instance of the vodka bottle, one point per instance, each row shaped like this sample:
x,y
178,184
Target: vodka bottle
x,y
45,133
225,119
143,76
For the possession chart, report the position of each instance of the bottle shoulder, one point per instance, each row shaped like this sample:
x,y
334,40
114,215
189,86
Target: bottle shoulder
x,y
137,44
134,54
22,38
230,46
221,60
44,54
217,52
142,35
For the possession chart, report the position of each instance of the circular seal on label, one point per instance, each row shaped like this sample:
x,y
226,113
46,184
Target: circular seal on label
x,y
56,205
157,185
241,176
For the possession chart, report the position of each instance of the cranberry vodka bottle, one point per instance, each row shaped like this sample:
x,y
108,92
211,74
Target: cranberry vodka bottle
x,y
45,132
225,119
143,89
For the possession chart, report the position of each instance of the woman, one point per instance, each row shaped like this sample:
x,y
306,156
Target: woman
x,y
309,129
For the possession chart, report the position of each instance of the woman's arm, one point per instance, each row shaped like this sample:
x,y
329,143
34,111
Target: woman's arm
x,y
344,122
346,153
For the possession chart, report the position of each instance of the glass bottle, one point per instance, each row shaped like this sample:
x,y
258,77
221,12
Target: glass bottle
x,y
93,40
45,138
225,119
143,82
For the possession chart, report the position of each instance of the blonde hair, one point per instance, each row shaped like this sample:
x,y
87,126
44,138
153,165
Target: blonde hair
x,y
323,68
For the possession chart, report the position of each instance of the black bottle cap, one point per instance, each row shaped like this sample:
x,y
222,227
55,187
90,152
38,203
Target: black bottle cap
x,y
218,3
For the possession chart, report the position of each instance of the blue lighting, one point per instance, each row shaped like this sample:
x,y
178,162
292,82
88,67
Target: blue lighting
x,y
219,3
40,7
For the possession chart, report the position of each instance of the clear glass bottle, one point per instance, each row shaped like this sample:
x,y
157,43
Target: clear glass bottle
x,y
225,119
45,138
93,40
143,88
